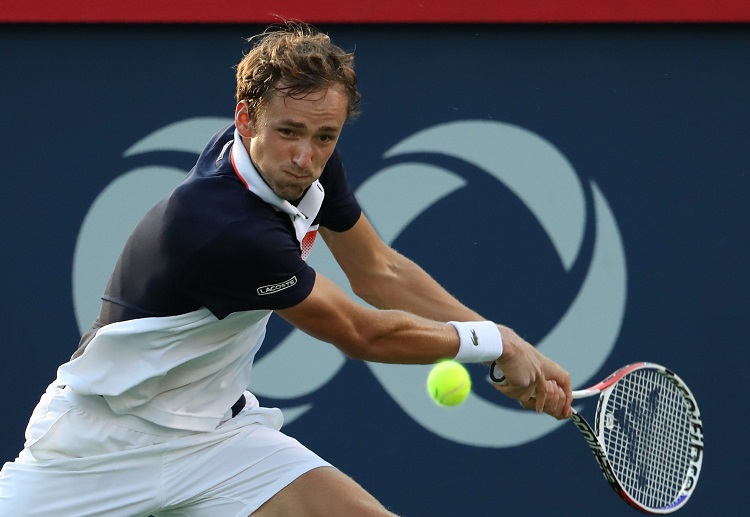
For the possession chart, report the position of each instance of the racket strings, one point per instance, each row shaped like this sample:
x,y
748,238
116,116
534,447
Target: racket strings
x,y
647,437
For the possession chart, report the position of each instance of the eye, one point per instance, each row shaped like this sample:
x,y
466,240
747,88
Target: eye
x,y
327,138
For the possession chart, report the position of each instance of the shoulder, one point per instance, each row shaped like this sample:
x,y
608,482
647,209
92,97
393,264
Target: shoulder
x,y
213,208
334,169
341,209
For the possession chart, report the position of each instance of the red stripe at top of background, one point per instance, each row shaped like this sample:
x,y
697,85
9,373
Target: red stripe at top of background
x,y
374,11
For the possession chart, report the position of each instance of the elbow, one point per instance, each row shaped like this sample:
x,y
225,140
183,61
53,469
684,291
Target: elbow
x,y
355,354
365,292
357,348
360,345
369,291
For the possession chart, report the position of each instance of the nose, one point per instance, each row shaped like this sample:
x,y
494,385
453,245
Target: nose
x,y
303,154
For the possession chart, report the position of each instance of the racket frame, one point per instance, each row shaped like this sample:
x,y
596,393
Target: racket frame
x,y
594,436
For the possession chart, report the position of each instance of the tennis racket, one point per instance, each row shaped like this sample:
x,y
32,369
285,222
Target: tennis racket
x,y
647,436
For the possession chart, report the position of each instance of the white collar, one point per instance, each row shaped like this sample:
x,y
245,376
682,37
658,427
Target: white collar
x,y
246,170
309,205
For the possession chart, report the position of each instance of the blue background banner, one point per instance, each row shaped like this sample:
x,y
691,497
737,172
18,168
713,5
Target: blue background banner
x,y
586,185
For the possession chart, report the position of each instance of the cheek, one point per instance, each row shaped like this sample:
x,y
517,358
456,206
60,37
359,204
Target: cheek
x,y
265,150
323,156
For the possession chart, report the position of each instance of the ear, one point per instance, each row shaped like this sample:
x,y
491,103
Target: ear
x,y
243,120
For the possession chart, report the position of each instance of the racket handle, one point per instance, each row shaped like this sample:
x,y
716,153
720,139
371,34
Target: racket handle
x,y
496,375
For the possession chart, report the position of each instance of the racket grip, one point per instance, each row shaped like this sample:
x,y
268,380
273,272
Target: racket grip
x,y
496,375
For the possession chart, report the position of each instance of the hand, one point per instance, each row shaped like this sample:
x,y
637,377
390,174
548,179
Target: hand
x,y
532,379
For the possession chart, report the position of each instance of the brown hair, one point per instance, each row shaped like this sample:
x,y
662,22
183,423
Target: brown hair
x,y
295,59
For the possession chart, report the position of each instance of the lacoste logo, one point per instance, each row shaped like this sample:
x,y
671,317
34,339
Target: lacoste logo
x,y
474,338
275,288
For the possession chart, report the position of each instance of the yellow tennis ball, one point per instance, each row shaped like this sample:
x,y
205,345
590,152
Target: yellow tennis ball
x,y
449,383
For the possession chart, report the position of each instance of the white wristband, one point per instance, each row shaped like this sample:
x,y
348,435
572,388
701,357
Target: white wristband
x,y
480,341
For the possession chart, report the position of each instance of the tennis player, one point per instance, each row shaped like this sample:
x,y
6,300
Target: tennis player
x,y
151,414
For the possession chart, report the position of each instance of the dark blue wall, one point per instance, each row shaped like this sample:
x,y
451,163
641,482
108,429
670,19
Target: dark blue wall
x,y
656,119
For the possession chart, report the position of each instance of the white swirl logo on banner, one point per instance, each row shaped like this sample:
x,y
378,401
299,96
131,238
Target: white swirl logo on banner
x,y
530,167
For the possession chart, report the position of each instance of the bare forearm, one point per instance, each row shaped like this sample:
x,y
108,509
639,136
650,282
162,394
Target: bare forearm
x,y
403,285
401,337
387,280
387,336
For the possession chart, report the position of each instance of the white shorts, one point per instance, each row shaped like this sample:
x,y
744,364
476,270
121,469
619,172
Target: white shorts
x,y
80,459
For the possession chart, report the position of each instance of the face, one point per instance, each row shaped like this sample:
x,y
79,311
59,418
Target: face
x,y
290,140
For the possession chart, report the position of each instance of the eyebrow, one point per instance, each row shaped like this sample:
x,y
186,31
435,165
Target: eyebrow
x,y
300,125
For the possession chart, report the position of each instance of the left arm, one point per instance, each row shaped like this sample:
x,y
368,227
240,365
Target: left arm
x,y
388,280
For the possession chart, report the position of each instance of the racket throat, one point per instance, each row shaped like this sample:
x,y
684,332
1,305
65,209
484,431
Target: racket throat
x,y
598,450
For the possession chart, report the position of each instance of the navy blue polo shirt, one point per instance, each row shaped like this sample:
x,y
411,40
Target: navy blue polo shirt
x,y
214,243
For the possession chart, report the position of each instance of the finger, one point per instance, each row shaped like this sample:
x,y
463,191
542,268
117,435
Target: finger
x,y
552,402
542,393
551,398
566,405
523,395
554,398
562,380
567,390
561,400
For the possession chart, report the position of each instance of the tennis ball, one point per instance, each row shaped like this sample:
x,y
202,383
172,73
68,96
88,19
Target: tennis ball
x,y
448,383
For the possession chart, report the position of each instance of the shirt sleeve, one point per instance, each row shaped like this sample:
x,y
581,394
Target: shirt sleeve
x,y
340,210
253,266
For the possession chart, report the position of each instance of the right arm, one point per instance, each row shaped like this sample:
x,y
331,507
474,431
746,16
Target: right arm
x,y
363,333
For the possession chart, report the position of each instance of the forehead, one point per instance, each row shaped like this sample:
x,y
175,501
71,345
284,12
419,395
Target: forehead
x,y
326,106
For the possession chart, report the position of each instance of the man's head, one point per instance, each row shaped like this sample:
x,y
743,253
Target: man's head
x,y
295,59
295,91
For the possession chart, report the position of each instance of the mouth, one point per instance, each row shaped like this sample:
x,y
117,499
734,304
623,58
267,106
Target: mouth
x,y
298,175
